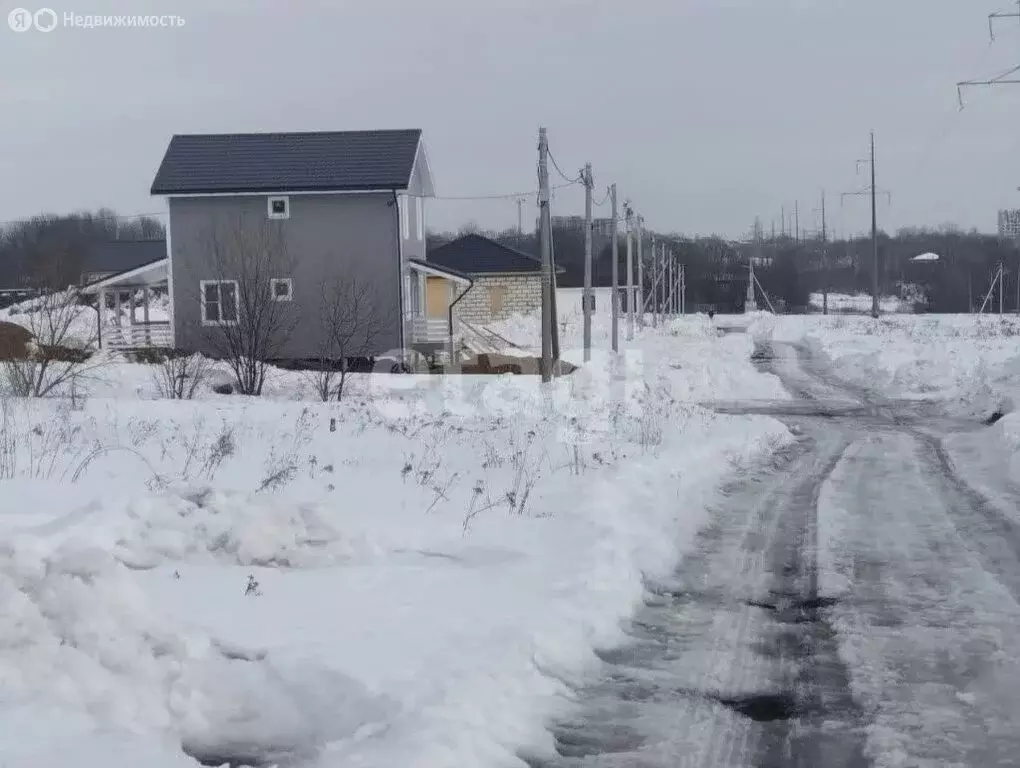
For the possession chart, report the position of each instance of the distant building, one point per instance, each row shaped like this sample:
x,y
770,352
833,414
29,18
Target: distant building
x,y
601,227
1009,224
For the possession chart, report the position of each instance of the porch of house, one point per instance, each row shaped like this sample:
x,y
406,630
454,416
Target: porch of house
x,y
127,318
432,291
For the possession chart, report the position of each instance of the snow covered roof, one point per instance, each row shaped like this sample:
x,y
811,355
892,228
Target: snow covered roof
x,y
926,257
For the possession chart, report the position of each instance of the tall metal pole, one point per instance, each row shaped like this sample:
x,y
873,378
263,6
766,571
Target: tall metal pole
x,y
796,218
655,286
683,289
545,244
874,233
749,302
665,277
672,284
587,296
616,272
640,301
825,262
630,275
1002,272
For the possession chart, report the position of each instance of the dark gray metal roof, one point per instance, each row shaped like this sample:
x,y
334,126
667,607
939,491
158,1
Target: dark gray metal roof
x,y
287,162
118,256
478,255
440,268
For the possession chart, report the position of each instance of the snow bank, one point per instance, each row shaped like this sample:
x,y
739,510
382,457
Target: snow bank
x,y
409,577
861,302
698,360
968,362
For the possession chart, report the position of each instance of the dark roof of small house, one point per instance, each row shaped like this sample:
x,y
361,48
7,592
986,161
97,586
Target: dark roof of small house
x,y
287,162
441,268
478,255
117,256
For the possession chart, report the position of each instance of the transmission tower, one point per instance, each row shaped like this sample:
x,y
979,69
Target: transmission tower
x,y
871,191
1003,78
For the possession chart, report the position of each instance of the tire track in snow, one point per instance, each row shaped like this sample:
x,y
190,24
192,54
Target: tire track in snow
x,y
737,666
927,631
929,628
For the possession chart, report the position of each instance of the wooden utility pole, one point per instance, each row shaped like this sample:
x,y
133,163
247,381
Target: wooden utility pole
x,y
587,294
545,244
614,228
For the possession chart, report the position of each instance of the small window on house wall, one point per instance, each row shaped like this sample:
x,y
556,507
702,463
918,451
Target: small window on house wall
x,y
497,299
279,207
282,288
405,216
420,217
219,302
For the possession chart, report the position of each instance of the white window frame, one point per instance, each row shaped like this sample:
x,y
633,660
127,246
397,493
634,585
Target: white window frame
x,y
419,210
288,281
405,218
237,299
275,199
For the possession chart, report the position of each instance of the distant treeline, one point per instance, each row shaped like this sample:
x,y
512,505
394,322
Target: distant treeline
x,y
48,251
790,270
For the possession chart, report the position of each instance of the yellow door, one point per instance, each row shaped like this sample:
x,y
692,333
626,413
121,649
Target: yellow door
x,y
437,297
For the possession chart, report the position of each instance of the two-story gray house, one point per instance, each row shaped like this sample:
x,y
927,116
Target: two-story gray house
x,y
307,210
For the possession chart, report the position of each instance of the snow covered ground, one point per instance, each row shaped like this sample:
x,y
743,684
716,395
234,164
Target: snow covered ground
x,y
968,362
861,302
409,577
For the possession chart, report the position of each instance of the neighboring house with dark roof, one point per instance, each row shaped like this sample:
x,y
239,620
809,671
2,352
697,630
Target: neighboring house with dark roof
x,y
307,212
506,281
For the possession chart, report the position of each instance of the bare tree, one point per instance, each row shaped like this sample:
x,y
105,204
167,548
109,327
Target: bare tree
x,y
355,317
179,376
246,319
60,353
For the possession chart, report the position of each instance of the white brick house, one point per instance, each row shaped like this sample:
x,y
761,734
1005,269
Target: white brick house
x,y
506,281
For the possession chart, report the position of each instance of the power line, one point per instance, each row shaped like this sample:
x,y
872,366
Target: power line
x,y
507,196
579,178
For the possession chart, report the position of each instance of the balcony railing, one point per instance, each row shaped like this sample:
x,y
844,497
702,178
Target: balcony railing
x,y
430,330
137,336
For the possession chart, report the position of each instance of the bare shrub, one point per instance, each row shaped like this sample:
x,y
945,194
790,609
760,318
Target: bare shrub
x,y
282,465
178,376
55,359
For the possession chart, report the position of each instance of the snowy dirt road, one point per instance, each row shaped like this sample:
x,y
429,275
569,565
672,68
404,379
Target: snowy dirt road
x,y
854,604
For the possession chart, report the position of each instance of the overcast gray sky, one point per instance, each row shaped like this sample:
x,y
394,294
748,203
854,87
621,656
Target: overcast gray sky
x,y
705,112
